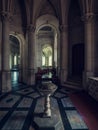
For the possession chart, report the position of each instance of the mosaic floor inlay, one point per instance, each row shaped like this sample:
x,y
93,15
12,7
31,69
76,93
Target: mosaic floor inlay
x,y
34,95
16,121
59,95
26,102
53,123
9,101
64,91
18,106
25,91
67,102
75,120
2,114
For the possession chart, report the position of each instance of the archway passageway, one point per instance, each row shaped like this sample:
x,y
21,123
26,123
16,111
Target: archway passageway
x,y
47,43
78,60
14,58
76,35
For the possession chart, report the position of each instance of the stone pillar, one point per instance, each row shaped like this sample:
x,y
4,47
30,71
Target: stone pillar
x,y
6,74
12,60
16,59
0,54
89,48
31,55
64,53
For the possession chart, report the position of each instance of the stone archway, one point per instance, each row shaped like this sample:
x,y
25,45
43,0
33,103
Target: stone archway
x,y
17,49
78,60
14,59
47,33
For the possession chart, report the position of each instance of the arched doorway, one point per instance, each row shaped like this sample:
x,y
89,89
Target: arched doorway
x,y
76,43
46,47
14,59
78,60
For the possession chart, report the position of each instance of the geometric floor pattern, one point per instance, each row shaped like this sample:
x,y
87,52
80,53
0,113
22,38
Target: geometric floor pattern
x,y
17,108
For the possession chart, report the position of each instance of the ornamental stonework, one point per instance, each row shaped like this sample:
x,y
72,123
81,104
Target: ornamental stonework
x,y
63,28
89,17
31,28
6,16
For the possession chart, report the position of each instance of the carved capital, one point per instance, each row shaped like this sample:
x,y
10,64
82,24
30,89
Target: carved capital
x,y
31,28
5,16
89,17
63,28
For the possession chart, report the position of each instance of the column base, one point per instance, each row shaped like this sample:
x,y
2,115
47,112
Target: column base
x,y
6,81
64,75
86,75
31,77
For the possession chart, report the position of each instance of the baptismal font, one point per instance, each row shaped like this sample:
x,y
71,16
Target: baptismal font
x,y
47,88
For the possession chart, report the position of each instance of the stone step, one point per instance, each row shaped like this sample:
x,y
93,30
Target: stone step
x,y
73,85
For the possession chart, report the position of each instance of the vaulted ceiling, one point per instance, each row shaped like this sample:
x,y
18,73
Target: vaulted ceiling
x,y
30,10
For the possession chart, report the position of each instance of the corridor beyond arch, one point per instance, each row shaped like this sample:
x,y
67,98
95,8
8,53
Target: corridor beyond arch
x,y
47,34
17,61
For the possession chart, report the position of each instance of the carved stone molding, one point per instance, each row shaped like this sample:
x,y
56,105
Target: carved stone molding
x,y
89,17
31,28
6,16
63,28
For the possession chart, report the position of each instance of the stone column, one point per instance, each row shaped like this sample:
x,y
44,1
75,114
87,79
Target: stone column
x,y
12,60
89,47
0,54
6,74
64,53
31,55
17,59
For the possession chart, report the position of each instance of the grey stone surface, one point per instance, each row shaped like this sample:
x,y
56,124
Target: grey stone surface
x,y
16,121
2,114
75,120
9,101
53,123
26,102
67,102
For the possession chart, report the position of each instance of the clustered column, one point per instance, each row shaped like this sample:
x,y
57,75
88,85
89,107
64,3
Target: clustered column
x,y
89,47
31,55
64,53
6,75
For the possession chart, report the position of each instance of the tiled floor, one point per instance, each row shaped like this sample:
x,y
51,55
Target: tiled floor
x,y
17,109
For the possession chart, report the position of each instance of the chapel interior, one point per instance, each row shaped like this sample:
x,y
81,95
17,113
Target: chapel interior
x,y
49,41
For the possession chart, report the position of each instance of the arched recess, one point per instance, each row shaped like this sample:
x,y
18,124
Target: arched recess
x,y
76,41
21,64
47,55
48,25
